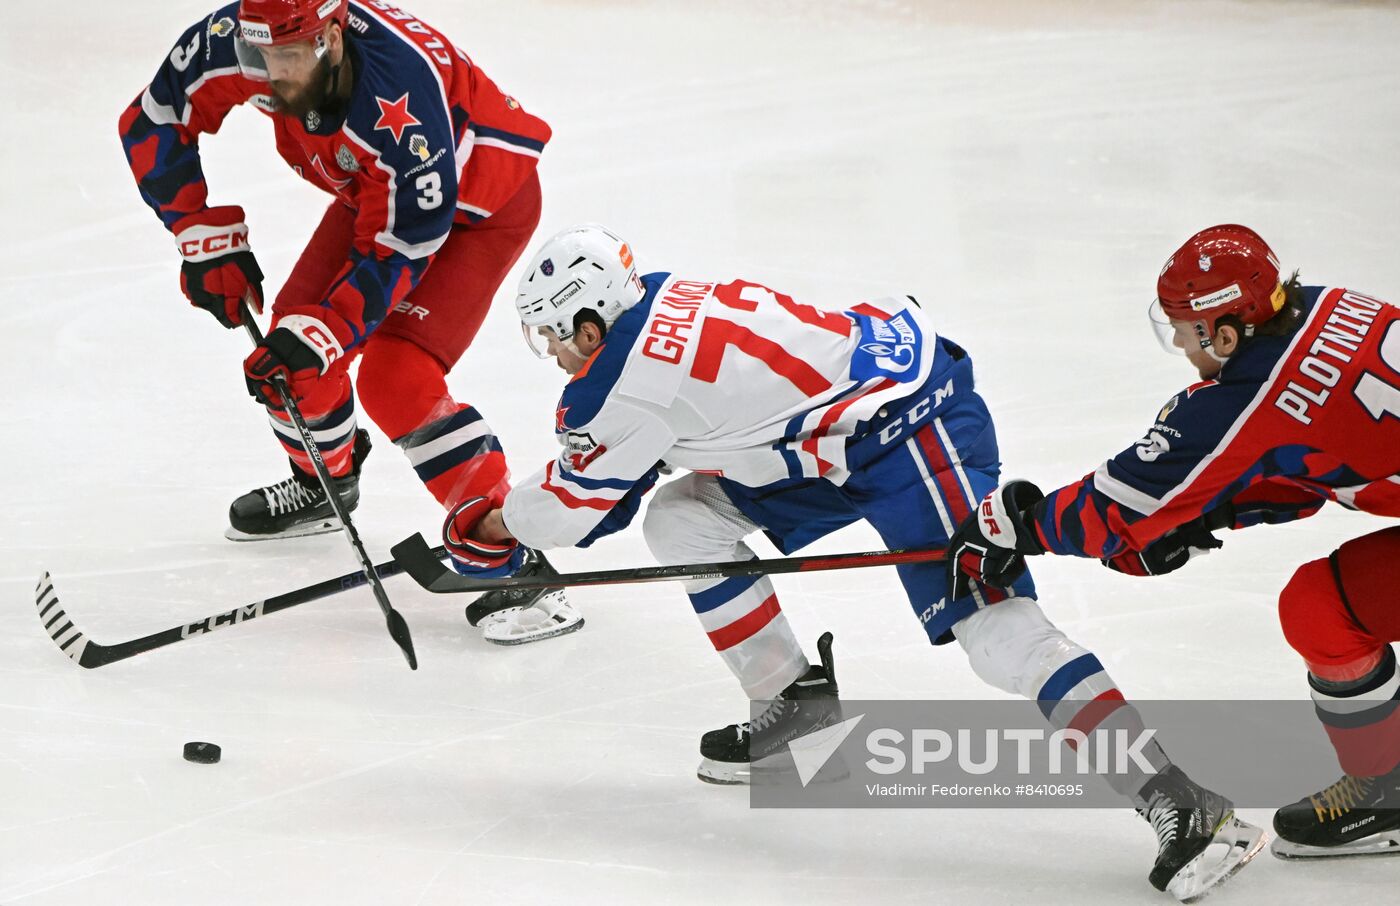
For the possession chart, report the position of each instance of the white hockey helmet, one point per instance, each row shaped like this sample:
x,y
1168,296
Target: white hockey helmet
x,y
584,268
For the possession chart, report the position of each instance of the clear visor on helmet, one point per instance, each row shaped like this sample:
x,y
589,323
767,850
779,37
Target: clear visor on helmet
x,y
542,340
266,62
1177,337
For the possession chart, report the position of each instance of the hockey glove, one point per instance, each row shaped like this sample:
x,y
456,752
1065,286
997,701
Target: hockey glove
x,y
1172,551
992,544
219,270
301,348
471,556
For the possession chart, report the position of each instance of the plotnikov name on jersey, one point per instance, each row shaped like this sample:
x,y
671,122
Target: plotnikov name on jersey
x,y
1314,377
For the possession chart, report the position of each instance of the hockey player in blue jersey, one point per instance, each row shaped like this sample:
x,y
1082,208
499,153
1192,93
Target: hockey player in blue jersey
x,y
797,421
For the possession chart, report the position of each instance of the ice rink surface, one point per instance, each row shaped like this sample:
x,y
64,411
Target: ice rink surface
x,y
1023,167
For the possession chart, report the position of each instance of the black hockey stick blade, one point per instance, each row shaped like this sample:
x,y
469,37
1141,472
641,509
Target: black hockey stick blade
x,y
425,566
398,631
86,653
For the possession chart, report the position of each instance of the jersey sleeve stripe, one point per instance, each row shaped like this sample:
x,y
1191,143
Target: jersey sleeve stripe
x,y
570,500
596,484
509,141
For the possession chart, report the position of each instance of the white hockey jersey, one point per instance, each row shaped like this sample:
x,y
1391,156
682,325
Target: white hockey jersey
x,y
732,379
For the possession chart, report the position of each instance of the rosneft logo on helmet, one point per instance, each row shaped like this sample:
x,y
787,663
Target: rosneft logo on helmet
x,y
1217,298
255,32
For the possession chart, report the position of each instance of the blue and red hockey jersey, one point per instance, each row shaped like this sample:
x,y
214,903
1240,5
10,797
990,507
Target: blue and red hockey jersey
x,y
426,140
1290,423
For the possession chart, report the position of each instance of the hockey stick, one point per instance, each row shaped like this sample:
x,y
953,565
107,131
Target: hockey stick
x,y
398,626
426,568
87,653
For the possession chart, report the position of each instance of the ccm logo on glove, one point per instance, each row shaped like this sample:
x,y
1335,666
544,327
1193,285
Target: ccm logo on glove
x,y
201,243
317,336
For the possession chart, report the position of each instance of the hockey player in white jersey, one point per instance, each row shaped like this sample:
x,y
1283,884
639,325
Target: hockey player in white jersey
x,y
797,421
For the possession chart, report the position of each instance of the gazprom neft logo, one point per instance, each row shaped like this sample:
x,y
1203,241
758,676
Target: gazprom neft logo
x,y
1217,298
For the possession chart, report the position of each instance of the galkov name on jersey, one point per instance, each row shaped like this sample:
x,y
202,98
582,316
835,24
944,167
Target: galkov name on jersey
x,y
1311,382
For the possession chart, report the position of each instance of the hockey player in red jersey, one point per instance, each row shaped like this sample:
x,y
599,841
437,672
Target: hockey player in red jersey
x,y
797,421
432,173
1298,404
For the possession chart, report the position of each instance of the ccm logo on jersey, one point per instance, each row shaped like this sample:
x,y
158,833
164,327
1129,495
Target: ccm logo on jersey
x,y
1312,381
671,330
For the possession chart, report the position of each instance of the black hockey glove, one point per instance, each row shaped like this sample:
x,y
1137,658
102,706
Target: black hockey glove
x,y
992,544
1172,551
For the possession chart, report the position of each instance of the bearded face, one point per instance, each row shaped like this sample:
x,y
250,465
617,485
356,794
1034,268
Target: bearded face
x,y
299,96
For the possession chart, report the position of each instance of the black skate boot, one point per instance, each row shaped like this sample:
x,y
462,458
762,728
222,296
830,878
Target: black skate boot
x,y
1200,842
811,703
513,616
296,506
1356,816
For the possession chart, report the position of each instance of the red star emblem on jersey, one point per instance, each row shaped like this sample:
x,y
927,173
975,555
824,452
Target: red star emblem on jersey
x,y
559,418
394,116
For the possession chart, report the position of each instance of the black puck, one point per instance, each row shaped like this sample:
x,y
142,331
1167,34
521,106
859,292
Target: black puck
x,y
202,752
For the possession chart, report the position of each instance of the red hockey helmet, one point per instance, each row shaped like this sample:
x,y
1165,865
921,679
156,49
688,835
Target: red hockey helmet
x,y
1222,270
284,21
267,23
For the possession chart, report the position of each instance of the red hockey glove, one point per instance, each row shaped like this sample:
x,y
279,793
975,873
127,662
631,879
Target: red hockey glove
x,y
219,270
471,556
1173,550
992,544
301,348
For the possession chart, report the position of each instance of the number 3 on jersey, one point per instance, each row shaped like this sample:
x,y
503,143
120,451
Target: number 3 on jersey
x,y
429,187
1382,397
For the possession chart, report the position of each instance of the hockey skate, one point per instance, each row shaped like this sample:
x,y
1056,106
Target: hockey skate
x,y
1356,816
1200,842
515,616
296,506
809,705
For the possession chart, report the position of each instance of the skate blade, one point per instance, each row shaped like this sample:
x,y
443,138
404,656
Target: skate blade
x,y
724,773
1203,874
1383,844
320,527
506,627
777,768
